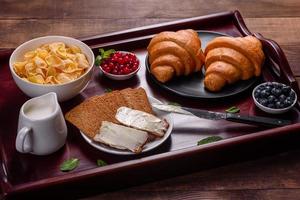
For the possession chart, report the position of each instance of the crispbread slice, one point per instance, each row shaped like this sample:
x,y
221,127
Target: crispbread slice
x,y
109,104
89,115
86,117
137,99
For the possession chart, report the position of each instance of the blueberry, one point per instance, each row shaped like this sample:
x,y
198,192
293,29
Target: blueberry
x,y
286,90
279,91
258,100
287,103
279,105
271,105
257,93
263,101
268,88
289,99
282,97
276,92
292,95
264,94
281,101
273,91
271,98
261,87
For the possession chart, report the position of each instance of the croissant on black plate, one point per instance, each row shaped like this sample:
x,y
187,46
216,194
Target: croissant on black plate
x,y
175,54
231,59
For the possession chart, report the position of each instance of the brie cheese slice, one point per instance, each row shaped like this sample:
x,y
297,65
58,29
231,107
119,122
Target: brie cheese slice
x,y
121,137
142,121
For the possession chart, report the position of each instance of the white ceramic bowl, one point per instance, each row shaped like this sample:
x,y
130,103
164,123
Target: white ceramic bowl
x,y
64,91
272,110
125,76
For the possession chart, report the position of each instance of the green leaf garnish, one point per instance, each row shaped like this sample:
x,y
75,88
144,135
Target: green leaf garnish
x,y
69,165
106,54
233,109
101,51
107,90
103,55
98,60
101,163
209,140
173,104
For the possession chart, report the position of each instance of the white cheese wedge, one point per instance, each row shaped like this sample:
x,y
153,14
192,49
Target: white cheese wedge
x,y
121,137
142,120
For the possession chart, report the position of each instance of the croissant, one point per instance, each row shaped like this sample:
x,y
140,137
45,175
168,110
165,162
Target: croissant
x,y
231,59
175,54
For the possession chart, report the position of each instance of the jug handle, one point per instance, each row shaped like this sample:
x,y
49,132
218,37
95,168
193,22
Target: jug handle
x,y
20,140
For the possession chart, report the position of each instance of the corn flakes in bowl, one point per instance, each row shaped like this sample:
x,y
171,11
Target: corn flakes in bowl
x,y
57,64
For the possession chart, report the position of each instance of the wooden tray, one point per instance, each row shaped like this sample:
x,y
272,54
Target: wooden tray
x,y
36,175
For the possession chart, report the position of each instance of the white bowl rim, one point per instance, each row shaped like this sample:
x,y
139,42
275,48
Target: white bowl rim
x,y
51,85
274,109
123,75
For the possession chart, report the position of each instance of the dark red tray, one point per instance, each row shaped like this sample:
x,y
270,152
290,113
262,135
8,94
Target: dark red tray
x,y
24,174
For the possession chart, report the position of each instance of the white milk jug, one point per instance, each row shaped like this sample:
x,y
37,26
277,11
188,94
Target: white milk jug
x,y
42,128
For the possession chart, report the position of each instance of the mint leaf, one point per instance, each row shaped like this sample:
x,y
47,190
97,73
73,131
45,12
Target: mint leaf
x,y
101,51
98,60
107,53
69,165
233,109
107,90
209,140
103,55
101,163
173,104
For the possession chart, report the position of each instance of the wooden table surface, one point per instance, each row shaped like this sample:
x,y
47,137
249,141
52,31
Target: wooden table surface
x,y
275,177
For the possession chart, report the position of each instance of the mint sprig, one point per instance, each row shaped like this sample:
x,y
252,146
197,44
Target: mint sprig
x,y
103,55
107,90
209,139
101,163
233,109
69,165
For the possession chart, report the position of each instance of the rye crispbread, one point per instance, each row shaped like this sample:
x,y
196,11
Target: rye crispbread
x,y
137,99
89,115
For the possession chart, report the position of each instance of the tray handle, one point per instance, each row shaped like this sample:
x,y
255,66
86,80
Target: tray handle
x,y
280,67
6,52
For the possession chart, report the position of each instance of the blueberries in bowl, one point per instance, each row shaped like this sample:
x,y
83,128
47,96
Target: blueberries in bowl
x,y
274,97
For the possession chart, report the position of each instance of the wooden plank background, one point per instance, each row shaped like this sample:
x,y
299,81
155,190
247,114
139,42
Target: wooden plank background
x,y
274,177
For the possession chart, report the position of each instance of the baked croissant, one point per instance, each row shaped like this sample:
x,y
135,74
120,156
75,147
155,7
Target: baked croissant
x,y
231,59
175,54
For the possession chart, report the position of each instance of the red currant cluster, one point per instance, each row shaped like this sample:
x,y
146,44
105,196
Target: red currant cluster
x,y
120,63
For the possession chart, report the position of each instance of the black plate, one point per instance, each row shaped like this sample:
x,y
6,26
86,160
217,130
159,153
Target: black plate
x,y
193,85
